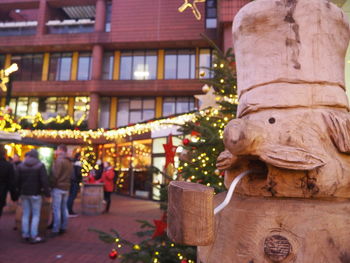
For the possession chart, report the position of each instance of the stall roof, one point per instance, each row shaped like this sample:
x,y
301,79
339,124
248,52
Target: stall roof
x,y
13,137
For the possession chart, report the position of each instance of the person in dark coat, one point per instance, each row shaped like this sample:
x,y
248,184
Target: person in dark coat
x,y
75,184
7,179
32,182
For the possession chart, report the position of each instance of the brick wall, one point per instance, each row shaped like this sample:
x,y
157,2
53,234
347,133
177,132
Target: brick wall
x,y
135,24
228,9
154,20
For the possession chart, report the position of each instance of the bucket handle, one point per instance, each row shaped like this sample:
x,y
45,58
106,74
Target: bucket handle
x,y
230,191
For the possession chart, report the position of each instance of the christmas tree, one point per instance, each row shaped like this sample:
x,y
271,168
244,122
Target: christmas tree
x,y
203,136
202,144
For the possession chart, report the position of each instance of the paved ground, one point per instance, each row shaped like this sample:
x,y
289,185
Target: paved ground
x,y
78,245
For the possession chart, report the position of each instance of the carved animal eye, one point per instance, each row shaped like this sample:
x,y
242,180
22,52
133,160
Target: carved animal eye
x,y
272,120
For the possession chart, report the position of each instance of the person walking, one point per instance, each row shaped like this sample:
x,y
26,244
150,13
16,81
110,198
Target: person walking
x,y
62,171
32,181
108,180
7,179
75,184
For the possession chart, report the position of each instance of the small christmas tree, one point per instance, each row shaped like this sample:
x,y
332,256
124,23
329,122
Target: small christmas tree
x,y
88,158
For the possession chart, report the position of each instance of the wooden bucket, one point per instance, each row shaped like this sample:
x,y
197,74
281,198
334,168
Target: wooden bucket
x,y
92,199
45,215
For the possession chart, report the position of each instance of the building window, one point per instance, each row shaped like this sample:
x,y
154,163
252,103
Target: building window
x,y
108,17
30,66
135,110
60,66
81,107
180,64
205,62
177,105
84,66
138,65
107,67
104,109
23,106
210,14
53,106
47,106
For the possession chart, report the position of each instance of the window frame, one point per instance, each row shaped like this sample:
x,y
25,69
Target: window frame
x,y
89,65
57,76
211,59
19,76
145,55
207,17
190,99
192,52
106,56
31,98
130,110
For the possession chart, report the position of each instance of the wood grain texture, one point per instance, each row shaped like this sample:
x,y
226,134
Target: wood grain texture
x,y
246,230
190,213
294,121
301,153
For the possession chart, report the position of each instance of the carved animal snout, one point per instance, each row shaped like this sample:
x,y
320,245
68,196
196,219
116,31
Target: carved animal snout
x,y
235,135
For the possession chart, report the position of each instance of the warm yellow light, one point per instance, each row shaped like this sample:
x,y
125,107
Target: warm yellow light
x,y
137,247
8,148
11,69
192,6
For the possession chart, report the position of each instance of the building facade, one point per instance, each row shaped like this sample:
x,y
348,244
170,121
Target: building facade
x,y
112,63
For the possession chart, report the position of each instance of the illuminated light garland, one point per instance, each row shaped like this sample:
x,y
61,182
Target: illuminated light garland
x,y
116,134
7,123
38,119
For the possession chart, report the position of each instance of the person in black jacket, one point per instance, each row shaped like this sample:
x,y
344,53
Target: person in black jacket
x,y
75,184
32,182
7,179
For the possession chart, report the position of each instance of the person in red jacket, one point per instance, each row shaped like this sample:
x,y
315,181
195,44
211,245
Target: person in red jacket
x,y
108,180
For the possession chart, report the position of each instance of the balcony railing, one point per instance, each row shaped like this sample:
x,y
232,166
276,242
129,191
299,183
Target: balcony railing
x,y
70,26
18,28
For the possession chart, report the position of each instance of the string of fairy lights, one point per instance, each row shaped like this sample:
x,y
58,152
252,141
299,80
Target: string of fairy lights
x,y
38,118
110,135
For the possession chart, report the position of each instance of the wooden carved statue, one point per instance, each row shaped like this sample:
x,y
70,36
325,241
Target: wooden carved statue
x,y
292,139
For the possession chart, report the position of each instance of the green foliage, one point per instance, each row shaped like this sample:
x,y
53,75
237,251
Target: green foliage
x,y
158,249
205,135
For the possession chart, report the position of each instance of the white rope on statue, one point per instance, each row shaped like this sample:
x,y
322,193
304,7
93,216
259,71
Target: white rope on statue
x,y
230,192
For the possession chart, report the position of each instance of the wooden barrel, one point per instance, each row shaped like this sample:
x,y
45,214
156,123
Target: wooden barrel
x,y
45,215
92,199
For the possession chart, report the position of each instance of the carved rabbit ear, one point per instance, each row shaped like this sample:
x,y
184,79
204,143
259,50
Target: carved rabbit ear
x,y
338,127
290,158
